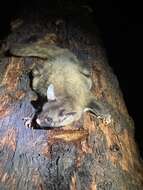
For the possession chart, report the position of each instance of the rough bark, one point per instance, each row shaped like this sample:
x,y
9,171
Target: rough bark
x,y
94,156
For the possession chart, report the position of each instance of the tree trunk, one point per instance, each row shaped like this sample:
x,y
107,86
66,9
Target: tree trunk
x,y
95,156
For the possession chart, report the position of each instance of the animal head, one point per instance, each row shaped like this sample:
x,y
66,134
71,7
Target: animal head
x,y
57,111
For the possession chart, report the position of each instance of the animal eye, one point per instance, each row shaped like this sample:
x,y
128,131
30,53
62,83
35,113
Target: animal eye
x,y
61,113
71,113
48,120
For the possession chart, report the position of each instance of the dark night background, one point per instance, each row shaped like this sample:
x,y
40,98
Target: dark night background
x,y
119,23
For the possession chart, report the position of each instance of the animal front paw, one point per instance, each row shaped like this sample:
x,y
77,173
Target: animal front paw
x,y
105,118
28,122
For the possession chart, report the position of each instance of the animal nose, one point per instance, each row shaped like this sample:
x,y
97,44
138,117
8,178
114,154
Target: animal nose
x,y
38,121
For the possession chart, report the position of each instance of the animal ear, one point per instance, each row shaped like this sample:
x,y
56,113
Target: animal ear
x,y
51,93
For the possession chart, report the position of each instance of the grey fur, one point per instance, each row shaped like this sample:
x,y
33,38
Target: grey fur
x,y
70,79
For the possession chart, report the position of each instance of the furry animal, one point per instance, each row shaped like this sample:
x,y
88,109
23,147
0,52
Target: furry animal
x,y
65,81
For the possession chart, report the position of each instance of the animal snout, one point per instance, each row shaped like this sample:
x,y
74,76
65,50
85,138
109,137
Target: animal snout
x,y
38,121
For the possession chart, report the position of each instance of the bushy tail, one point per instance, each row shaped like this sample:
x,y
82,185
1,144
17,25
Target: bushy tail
x,y
37,50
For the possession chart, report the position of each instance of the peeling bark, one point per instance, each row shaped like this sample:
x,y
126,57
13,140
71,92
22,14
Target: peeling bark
x,y
94,156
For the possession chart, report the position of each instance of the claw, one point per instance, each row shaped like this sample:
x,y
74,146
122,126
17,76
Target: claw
x,y
105,118
28,122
